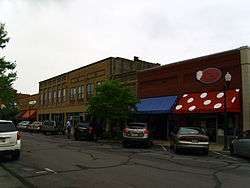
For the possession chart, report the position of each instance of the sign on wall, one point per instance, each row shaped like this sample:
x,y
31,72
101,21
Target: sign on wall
x,y
209,75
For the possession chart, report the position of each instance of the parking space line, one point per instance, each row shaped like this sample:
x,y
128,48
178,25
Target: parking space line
x,y
163,147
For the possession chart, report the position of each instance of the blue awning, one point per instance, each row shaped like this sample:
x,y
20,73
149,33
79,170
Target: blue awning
x,y
156,105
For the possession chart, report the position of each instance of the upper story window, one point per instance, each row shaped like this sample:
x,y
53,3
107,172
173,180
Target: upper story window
x,y
64,95
55,96
59,95
41,99
81,92
45,98
74,92
71,93
90,89
50,96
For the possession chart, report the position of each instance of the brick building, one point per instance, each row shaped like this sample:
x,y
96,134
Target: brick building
x,y
182,99
27,105
66,96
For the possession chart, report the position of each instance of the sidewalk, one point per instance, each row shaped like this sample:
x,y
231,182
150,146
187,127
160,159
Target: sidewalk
x,y
212,146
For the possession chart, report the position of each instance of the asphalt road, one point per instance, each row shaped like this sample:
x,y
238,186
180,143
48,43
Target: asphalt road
x,y
54,161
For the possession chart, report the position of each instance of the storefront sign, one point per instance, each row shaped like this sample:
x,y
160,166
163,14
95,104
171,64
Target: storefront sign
x,y
209,75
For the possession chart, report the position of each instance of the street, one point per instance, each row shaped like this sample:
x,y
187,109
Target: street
x,y
54,161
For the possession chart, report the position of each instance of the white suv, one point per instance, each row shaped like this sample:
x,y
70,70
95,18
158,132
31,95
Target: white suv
x,y
10,141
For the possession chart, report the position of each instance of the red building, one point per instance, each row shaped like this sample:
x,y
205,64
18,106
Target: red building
x,y
192,101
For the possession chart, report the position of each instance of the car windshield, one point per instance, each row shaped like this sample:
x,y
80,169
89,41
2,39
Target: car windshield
x,y
7,127
24,123
191,130
137,125
83,125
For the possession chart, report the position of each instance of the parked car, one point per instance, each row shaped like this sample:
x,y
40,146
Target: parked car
x,y
23,125
86,131
10,139
35,126
52,128
241,145
137,133
192,138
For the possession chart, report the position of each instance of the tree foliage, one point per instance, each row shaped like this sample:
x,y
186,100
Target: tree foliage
x,y
7,73
112,102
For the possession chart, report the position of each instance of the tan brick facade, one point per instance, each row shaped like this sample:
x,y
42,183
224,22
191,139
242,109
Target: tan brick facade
x,y
66,96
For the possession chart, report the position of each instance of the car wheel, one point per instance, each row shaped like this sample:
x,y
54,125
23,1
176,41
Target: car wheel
x,y
15,155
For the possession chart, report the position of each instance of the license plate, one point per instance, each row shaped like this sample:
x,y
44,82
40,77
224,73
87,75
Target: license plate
x,y
195,141
134,134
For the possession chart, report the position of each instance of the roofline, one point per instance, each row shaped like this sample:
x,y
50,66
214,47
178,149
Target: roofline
x,y
97,63
77,69
197,58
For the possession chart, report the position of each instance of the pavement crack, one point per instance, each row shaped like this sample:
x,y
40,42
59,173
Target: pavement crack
x,y
20,178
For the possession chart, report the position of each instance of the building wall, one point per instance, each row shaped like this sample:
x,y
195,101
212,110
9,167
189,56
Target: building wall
x,y
69,92
126,71
179,78
52,99
23,101
245,67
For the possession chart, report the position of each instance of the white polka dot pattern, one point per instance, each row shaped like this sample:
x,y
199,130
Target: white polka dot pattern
x,y
233,99
218,105
178,107
192,108
207,102
220,95
190,100
203,95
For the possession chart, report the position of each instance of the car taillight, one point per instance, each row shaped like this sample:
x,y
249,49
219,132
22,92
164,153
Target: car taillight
x,y
18,135
146,131
125,130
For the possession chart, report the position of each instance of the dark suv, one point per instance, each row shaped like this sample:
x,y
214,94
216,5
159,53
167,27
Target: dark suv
x,y
137,133
86,131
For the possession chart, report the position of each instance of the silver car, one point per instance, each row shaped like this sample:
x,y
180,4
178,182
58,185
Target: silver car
x,y
241,145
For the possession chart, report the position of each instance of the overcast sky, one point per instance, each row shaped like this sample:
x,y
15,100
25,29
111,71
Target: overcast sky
x,y
50,37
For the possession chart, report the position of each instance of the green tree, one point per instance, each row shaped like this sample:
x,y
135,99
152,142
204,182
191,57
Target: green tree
x,y
7,73
113,102
8,109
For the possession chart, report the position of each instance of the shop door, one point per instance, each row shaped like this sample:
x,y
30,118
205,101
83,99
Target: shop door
x,y
211,126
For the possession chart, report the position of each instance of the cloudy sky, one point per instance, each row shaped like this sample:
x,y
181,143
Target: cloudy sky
x,y
49,37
